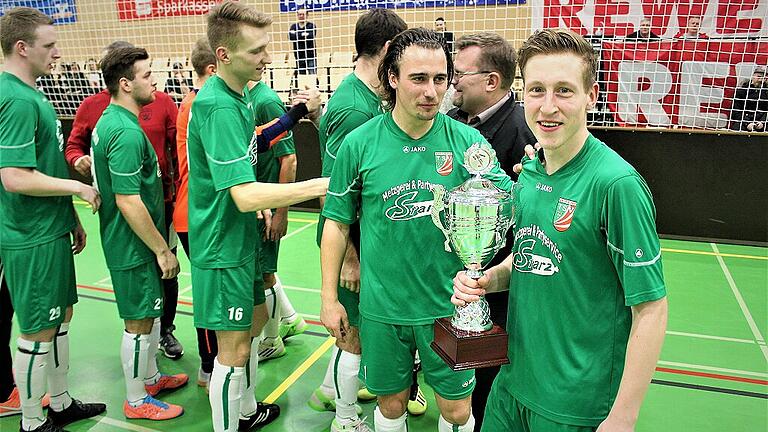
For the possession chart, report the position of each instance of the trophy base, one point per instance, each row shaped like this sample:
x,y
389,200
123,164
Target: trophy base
x,y
463,350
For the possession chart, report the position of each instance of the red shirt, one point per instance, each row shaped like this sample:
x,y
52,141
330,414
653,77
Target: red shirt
x,y
158,120
180,222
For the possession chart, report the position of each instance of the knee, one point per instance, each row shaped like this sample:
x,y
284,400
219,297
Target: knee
x,y
269,280
457,413
392,408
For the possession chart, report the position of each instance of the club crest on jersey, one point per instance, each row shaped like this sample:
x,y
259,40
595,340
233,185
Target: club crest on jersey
x,y
444,163
564,214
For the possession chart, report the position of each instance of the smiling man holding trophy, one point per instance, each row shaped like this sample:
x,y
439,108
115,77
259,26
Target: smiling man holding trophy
x,y
384,174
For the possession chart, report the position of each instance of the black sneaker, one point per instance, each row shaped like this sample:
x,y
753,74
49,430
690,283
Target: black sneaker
x,y
264,415
170,346
75,411
48,426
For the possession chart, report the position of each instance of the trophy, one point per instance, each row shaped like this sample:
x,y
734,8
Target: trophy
x,y
474,218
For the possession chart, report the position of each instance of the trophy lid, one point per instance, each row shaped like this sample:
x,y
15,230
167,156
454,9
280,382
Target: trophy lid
x,y
479,159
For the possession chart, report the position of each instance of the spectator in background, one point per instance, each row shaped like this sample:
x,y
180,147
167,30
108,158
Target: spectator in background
x,y
74,80
447,36
692,30
94,75
644,34
179,84
302,35
750,104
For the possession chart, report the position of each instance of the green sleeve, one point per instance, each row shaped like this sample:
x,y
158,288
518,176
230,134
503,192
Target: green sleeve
x,y
341,201
226,149
125,157
629,219
338,129
17,134
269,111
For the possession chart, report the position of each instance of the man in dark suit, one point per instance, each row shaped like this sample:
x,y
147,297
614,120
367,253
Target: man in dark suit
x,y
484,71
644,34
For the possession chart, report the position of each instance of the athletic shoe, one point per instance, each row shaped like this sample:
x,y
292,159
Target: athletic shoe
x,y
271,350
75,411
364,395
13,405
417,403
152,409
170,346
319,401
358,425
48,426
293,328
166,383
264,415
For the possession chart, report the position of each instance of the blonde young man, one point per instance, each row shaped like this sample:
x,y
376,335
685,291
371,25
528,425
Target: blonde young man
x,y
223,199
588,308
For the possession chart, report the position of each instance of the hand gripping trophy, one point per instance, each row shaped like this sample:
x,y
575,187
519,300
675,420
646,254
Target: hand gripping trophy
x,y
474,217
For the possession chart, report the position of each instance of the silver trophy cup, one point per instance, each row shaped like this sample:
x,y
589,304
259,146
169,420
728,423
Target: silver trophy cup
x,y
474,218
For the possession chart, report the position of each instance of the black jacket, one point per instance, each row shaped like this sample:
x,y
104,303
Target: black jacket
x,y
750,104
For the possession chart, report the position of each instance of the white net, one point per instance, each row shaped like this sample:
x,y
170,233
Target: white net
x,y
698,67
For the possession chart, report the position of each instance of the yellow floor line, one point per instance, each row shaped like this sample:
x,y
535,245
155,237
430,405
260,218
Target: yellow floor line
x,y
292,378
727,255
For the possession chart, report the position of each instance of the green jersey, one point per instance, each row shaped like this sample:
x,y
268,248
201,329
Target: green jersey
x,y
221,154
351,105
585,250
267,106
387,176
30,137
125,163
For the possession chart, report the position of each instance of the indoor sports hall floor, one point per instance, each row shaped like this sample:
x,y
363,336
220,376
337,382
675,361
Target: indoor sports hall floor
x,y
712,376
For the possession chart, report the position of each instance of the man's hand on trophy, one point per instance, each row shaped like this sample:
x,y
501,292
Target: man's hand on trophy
x,y
531,152
334,318
468,290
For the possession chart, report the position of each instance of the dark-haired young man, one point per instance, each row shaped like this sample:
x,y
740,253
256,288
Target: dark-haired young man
x,y
39,229
583,344
133,233
223,199
384,172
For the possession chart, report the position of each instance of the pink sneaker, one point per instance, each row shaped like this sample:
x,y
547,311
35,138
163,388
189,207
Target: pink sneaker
x,y
166,382
152,409
12,406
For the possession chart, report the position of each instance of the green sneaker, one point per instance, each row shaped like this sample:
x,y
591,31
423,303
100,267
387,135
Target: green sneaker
x,y
319,401
364,395
293,328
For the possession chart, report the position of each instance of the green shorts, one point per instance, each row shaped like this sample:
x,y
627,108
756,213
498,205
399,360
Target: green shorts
x,y
41,282
386,366
138,291
351,302
224,297
504,413
268,253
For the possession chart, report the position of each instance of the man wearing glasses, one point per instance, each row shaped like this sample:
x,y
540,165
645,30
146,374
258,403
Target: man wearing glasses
x,y
485,69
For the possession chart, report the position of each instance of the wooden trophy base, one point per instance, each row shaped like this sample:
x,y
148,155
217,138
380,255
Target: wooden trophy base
x,y
463,350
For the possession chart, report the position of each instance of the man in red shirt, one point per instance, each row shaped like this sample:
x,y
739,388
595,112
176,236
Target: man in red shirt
x,y
158,120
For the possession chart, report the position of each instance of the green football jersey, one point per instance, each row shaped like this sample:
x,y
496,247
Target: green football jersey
x,y
221,154
267,106
125,163
351,105
585,250
406,274
31,137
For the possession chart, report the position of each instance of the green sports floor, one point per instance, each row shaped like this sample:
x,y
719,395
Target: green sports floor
x,y
712,376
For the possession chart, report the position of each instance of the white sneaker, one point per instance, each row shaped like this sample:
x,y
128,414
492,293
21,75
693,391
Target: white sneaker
x,y
272,349
358,425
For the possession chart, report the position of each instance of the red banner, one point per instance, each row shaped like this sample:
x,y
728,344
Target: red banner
x,y
685,83
130,10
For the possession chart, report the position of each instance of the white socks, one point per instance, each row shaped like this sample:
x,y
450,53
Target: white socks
x,y
271,329
248,401
444,426
328,386
58,367
287,312
153,374
30,378
225,388
384,424
134,353
346,366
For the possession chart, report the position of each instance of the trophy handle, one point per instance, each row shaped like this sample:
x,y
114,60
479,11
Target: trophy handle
x,y
438,205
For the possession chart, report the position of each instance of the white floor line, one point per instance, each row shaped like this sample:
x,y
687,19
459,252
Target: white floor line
x,y
295,288
703,336
124,426
185,274
104,280
293,233
713,369
743,305
314,317
184,290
